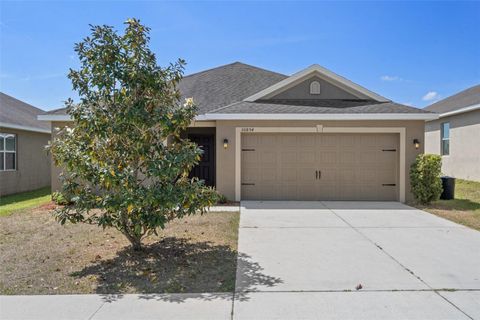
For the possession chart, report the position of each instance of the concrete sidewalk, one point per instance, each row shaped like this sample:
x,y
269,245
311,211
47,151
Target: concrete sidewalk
x,y
114,307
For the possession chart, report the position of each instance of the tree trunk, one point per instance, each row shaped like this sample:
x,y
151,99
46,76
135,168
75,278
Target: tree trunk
x,y
136,245
136,242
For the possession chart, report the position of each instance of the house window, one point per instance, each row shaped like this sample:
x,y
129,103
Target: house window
x,y
445,138
315,87
8,152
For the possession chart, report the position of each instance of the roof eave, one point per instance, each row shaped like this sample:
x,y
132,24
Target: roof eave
x,y
290,116
54,117
459,111
25,128
323,116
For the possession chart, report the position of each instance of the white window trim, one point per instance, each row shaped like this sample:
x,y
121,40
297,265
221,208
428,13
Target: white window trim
x,y
4,151
444,139
320,129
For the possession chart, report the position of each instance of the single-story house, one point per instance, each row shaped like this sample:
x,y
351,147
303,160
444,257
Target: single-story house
x,y
313,135
456,134
24,162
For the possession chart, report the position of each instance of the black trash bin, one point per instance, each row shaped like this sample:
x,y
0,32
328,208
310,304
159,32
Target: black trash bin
x,y
448,184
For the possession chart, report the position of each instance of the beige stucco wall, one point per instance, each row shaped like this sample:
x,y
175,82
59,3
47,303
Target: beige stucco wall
x,y
464,158
226,157
55,171
33,163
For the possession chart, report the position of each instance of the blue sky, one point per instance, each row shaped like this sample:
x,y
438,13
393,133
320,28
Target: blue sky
x,y
411,52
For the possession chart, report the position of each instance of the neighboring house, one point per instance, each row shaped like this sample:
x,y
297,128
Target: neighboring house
x,y
24,163
456,134
311,136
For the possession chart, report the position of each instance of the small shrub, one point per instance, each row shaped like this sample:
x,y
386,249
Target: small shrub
x,y
221,199
59,199
426,184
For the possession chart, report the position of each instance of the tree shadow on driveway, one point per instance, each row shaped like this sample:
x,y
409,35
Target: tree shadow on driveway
x,y
175,270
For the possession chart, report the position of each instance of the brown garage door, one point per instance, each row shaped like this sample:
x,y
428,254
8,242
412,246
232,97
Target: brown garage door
x,y
324,166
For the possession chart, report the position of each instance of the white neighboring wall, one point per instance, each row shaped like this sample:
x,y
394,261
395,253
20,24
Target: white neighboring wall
x,y
464,159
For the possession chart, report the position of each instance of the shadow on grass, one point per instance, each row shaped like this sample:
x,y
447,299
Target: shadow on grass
x,y
173,265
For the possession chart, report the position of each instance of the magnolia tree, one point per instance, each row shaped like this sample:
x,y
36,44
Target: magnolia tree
x,y
125,163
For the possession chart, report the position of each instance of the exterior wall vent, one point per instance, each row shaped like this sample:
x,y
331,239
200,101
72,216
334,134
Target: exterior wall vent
x,y
315,87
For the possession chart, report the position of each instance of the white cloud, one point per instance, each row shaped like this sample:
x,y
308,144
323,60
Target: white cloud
x,y
430,95
390,78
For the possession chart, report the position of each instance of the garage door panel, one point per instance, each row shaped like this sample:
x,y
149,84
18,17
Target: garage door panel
x,y
306,141
288,157
327,140
267,158
347,157
328,175
250,174
283,166
289,175
306,157
249,157
348,140
289,140
266,140
268,175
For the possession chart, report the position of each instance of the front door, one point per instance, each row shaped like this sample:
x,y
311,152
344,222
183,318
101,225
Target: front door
x,y
205,169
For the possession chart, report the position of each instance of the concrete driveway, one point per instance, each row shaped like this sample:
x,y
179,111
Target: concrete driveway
x,y
304,260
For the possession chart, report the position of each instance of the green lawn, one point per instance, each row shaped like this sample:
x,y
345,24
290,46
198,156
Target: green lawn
x,y
24,200
464,209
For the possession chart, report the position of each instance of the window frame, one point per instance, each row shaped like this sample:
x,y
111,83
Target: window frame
x,y
4,136
443,139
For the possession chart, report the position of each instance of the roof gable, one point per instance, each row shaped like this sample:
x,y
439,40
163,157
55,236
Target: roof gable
x,y
322,73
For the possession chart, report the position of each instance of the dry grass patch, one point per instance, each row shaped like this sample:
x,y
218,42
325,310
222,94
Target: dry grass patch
x,y
39,256
464,209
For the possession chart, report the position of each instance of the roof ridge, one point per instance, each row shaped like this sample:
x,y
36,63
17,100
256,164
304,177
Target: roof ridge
x,y
231,64
224,107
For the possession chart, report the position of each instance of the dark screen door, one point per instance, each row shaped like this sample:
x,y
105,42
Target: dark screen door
x,y
205,169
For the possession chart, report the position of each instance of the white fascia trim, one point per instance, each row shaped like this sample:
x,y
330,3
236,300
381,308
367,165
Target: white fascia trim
x,y
20,127
54,117
324,116
311,70
459,111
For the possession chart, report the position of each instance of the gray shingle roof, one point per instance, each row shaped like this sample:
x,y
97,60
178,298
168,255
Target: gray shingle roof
x,y
221,86
227,84
465,98
222,90
57,111
19,113
321,106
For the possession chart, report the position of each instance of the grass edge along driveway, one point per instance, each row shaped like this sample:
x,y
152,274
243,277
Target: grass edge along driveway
x,y
464,209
